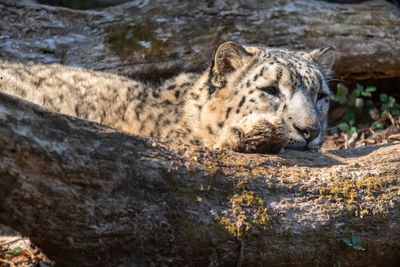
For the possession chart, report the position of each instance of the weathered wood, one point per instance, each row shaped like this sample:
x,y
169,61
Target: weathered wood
x,y
155,39
90,196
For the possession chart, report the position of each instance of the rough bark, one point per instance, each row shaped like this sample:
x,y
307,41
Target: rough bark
x,y
155,39
90,196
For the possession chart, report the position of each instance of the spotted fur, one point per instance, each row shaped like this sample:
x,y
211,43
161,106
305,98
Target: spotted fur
x,y
251,99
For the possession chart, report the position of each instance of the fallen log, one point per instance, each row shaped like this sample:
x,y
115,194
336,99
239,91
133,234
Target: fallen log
x,y
90,196
152,40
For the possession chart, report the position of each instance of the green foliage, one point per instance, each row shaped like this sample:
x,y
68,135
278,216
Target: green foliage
x,y
355,102
348,127
341,94
358,103
354,242
377,125
389,109
354,99
389,105
14,252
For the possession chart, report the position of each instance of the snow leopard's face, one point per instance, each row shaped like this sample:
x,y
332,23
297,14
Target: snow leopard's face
x,y
267,99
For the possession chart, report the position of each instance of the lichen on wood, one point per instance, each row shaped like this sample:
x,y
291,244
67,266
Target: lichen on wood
x,y
137,38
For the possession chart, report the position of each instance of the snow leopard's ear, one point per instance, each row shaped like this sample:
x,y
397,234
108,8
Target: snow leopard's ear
x,y
229,57
324,56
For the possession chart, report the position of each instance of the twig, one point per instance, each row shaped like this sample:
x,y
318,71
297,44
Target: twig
x,y
16,240
338,80
346,141
372,131
240,260
28,253
391,119
397,124
7,262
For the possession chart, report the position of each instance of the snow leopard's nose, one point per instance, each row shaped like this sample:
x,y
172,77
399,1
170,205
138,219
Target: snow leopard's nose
x,y
309,133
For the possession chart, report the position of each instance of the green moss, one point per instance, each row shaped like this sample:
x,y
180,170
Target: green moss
x,y
137,38
373,186
230,227
249,199
248,210
302,176
354,193
242,183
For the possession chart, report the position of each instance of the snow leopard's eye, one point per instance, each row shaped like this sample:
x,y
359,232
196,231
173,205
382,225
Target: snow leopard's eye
x,y
271,90
321,95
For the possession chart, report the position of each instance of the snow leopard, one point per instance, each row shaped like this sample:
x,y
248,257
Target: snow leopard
x,y
250,99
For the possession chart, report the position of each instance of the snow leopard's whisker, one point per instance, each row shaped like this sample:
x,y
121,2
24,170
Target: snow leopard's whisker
x,y
338,80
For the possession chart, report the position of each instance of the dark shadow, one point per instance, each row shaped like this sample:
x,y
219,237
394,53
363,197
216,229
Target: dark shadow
x,y
310,158
82,4
357,152
328,158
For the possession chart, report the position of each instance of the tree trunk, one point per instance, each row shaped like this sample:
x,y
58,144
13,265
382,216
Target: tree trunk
x,y
90,196
152,40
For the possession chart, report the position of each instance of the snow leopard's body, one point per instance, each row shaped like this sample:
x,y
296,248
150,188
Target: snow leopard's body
x,y
251,99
